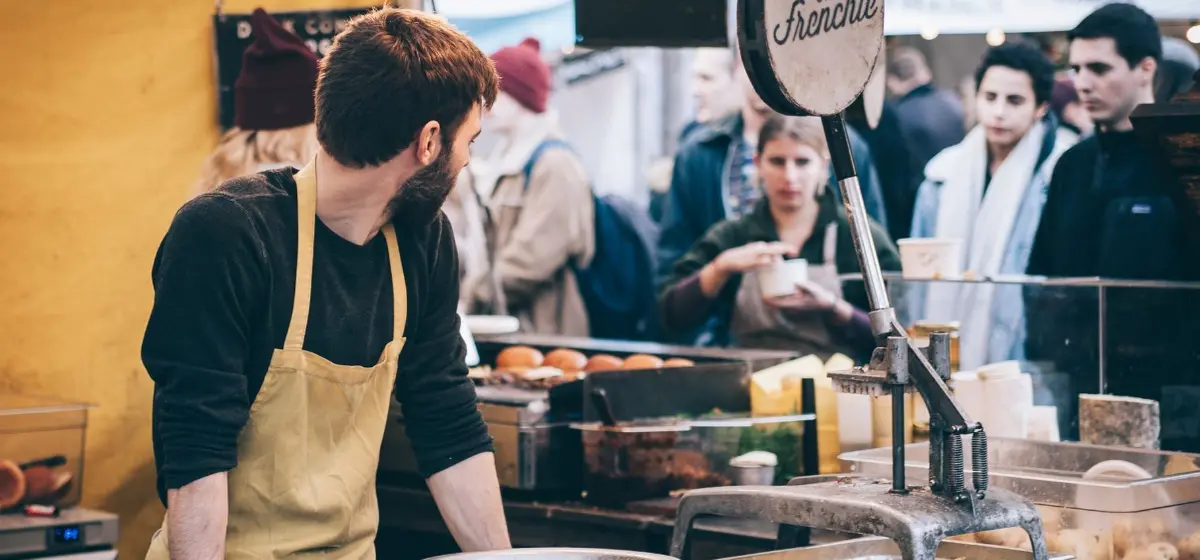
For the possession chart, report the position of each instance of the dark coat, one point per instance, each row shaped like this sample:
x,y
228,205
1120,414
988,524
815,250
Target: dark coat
x,y
931,120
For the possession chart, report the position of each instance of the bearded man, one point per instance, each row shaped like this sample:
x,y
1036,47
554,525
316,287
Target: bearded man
x,y
291,305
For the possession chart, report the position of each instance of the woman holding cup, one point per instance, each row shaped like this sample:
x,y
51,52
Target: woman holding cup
x,y
769,278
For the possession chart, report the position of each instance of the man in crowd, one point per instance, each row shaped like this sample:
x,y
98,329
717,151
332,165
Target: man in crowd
x,y
716,95
713,177
714,87
917,123
1109,212
286,317
988,191
931,118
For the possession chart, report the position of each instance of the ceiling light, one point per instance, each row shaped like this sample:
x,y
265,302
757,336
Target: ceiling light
x,y
995,37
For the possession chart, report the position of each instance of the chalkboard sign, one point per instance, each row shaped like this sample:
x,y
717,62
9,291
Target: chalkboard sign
x,y
651,23
233,35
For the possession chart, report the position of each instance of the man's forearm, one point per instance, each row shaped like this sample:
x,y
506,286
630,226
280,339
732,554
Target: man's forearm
x,y
197,515
468,496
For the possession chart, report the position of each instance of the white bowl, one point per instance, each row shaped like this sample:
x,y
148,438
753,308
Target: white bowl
x,y
931,257
780,278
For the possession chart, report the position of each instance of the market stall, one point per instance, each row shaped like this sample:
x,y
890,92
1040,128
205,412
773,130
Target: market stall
x,y
614,445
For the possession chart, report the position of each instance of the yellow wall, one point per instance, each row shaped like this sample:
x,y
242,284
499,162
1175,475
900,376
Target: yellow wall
x,y
106,111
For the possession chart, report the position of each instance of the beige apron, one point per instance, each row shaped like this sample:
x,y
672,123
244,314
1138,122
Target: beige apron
x,y
304,484
755,324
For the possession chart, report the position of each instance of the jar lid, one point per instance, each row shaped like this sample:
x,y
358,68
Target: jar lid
x,y
937,326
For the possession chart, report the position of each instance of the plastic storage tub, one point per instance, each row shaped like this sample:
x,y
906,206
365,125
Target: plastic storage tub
x,y
1098,503
650,459
43,439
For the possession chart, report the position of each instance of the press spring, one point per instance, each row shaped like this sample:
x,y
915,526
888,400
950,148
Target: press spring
x,y
979,462
956,482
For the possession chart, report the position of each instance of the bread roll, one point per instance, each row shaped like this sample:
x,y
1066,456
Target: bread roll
x,y
678,362
603,362
1130,534
1012,537
566,359
1052,521
643,361
1189,547
1154,551
12,484
519,358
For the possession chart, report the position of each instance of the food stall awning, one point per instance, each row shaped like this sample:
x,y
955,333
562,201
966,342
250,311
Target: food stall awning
x,y
958,17
1160,9
494,25
961,17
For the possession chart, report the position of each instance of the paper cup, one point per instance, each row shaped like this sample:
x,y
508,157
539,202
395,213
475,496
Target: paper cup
x,y
931,257
780,279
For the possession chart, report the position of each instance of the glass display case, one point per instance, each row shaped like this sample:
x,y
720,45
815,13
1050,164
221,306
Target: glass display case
x,y
652,458
1074,336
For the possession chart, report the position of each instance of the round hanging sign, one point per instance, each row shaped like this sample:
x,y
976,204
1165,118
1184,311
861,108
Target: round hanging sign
x,y
868,108
810,57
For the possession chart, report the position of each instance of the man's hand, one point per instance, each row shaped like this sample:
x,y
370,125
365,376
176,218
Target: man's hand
x,y
468,496
197,515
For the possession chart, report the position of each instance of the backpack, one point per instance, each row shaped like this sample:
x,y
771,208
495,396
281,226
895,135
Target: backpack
x,y
617,287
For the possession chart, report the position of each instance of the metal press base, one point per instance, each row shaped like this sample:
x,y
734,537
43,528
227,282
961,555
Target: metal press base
x,y
917,521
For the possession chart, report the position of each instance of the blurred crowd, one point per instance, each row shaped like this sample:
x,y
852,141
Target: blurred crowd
x,y
1036,169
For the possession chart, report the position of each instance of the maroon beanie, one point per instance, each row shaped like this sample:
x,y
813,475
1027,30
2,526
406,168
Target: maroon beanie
x,y
523,75
1062,95
278,78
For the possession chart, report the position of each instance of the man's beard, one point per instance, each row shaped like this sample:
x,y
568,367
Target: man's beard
x,y
421,197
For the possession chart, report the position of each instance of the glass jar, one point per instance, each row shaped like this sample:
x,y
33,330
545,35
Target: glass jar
x,y
919,334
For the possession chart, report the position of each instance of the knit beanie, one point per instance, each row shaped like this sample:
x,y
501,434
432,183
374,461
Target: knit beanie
x,y
1063,94
523,75
278,78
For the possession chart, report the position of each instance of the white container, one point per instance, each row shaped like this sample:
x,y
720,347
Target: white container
x,y
780,278
931,257
492,324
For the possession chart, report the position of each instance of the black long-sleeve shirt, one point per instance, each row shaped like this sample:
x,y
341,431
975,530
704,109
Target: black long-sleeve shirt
x,y
224,280
1109,212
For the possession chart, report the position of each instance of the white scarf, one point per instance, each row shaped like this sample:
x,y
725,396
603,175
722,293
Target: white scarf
x,y
984,222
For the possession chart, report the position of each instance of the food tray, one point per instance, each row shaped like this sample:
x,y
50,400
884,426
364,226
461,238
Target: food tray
x,y
1052,474
878,548
1103,502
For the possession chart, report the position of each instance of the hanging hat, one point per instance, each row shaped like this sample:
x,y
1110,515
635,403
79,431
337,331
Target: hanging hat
x,y
523,74
279,76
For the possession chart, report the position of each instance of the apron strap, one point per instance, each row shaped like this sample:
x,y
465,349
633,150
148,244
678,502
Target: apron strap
x,y
306,219
399,287
829,251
